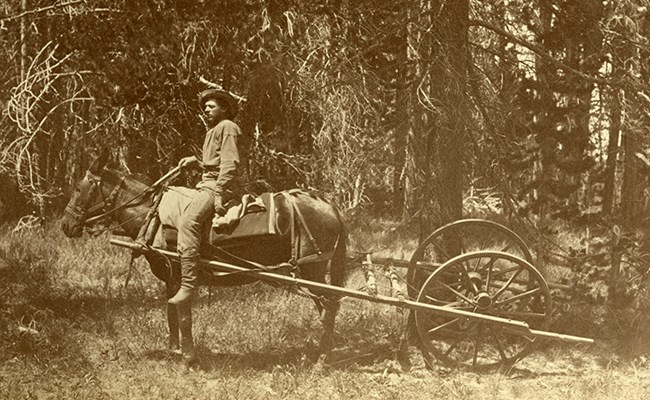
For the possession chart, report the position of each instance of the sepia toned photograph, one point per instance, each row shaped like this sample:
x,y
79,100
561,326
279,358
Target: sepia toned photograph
x,y
335,199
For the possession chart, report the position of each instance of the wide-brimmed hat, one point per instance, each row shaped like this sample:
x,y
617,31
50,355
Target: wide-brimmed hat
x,y
216,94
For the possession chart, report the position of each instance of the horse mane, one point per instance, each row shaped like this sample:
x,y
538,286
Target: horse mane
x,y
114,174
138,176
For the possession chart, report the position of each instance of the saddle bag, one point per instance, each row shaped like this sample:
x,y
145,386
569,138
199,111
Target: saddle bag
x,y
252,218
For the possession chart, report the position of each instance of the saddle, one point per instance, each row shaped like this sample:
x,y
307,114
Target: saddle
x,y
247,231
252,217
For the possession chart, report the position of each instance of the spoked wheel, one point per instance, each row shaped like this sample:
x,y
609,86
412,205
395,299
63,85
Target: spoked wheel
x,y
486,282
460,237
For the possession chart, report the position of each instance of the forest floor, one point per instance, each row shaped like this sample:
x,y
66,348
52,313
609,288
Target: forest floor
x,y
69,328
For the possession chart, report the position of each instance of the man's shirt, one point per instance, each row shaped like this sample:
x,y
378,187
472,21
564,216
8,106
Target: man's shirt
x,y
220,157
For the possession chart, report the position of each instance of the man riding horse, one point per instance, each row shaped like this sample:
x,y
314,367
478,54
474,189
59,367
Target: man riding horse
x,y
297,228
220,164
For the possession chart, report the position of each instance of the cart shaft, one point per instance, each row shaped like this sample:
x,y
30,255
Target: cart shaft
x,y
322,288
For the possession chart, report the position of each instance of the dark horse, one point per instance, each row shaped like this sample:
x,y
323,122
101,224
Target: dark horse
x,y
112,197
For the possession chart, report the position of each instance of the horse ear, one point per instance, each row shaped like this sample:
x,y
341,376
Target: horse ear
x,y
100,162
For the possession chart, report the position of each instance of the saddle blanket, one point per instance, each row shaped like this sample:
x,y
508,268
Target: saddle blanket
x,y
254,216
249,204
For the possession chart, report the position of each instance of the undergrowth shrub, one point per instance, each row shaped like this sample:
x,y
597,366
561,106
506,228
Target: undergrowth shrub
x,y
607,273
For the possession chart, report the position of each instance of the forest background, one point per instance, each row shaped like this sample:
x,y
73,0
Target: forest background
x,y
532,113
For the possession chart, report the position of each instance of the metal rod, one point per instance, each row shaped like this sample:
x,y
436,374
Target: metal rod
x,y
561,337
320,288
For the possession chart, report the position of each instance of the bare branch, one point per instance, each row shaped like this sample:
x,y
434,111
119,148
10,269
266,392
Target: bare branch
x,y
34,101
541,51
213,85
40,10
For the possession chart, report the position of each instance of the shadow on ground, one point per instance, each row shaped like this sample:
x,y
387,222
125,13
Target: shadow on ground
x,y
369,355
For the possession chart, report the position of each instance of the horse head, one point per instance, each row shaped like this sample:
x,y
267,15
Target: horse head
x,y
92,197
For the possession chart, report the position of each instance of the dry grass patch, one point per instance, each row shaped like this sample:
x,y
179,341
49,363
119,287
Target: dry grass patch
x,y
70,329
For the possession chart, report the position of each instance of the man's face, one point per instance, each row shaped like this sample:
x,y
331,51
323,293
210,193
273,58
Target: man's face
x,y
213,112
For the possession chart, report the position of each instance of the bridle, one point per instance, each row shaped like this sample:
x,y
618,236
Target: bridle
x,y
106,205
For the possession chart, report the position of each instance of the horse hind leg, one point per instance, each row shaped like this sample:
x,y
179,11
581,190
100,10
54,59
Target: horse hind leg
x,y
330,308
335,276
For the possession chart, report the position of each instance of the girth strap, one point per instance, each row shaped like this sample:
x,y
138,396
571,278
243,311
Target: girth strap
x,y
294,207
293,210
292,224
151,221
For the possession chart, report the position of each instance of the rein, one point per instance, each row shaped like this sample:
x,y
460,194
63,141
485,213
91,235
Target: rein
x,y
108,201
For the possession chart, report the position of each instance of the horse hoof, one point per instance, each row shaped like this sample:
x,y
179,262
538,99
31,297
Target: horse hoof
x,y
323,359
175,351
322,364
191,361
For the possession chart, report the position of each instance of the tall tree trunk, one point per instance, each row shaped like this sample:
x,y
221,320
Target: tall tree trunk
x,y
633,182
408,111
609,191
635,179
544,169
401,127
443,144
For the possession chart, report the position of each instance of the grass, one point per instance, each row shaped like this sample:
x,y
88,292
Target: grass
x,y
69,328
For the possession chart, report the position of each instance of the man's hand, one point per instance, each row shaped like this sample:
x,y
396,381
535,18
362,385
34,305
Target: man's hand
x,y
218,205
188,161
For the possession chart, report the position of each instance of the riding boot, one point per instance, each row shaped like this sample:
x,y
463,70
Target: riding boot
x,y
188,282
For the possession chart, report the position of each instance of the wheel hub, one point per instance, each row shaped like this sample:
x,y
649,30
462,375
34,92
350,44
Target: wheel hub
x,y
484,300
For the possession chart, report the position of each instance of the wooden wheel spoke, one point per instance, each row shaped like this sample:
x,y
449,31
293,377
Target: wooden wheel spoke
x,y
464,267
505,271
476,344
518,296
477,263
467,267
508,283
436,301
463,249
488,278
459,294
442,326
499,345
440,249
505,249
489,264
451,348
456,284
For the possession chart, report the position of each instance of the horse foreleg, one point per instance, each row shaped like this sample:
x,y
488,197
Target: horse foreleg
x,y
187,341
174,343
